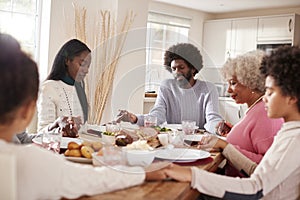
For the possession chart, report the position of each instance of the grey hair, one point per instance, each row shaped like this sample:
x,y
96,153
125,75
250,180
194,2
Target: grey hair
x,y
246,70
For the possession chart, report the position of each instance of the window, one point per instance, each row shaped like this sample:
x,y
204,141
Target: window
x,y
163,31
19,18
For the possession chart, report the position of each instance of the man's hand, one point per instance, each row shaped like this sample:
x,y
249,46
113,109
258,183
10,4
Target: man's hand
x,y
126,116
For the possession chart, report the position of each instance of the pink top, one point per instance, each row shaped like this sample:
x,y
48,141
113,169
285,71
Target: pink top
x,y
253,135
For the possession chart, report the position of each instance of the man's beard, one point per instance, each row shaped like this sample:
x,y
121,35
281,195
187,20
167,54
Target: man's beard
x,y
184,79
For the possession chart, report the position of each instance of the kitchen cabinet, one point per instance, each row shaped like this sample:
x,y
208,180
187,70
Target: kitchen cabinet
x,y
148,104
231,111
227,38
216,40
278,28
243,36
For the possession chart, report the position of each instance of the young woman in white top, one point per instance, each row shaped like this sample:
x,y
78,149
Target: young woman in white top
x,y
62,94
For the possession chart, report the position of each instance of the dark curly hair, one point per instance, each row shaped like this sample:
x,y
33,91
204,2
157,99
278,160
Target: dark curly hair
x,y
284,66
185,51
19,78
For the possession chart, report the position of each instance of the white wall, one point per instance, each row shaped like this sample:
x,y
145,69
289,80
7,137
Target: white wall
x,y
128,87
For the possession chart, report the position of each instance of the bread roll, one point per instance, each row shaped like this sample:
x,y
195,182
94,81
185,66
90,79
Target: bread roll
x,y
73,153
73,145
87,151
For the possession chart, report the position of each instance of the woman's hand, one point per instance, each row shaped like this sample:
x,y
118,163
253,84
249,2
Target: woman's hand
x,y
223,128
211,142
155,171
69,126
70,129
179,173
57,122
170,170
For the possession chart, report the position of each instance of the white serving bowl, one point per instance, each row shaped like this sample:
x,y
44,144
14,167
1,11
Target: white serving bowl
x,y
141,158
108,139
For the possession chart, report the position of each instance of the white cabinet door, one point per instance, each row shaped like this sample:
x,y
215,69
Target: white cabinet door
x,y
216,42
244,34
231,111
227,38
276,28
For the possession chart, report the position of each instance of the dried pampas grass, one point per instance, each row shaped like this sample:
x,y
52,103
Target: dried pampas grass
x,y
106,44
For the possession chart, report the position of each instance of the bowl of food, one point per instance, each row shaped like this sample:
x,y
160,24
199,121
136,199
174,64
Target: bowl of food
x,y
141,158
139,153
108,138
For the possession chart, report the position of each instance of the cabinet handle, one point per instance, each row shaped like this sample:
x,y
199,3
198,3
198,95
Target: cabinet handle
x,y
228,54
290,27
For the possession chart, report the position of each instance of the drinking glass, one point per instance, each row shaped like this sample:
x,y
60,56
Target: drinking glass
x,y
163,138
51,141
176,138
188,127
150,121
113,155
112,127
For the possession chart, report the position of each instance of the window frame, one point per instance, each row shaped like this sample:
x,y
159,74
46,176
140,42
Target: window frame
x,y
155,72
34,43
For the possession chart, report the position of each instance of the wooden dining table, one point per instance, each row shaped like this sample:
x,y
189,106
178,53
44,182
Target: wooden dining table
x,y
166,189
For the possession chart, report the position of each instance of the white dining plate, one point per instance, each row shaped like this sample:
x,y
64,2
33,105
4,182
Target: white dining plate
x,y
79,159
182,155
129,126
194,137
64,141
174,126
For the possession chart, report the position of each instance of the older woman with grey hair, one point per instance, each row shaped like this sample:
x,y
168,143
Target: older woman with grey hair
x,y
254,133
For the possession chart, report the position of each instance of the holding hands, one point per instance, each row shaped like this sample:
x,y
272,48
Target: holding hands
x,y
208,142
173,171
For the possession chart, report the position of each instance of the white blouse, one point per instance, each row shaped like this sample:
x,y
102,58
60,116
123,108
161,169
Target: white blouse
x,y
55,100
42,174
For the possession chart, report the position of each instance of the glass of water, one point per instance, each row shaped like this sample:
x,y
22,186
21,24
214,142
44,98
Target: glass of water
x,y
51,141
188,127
150,121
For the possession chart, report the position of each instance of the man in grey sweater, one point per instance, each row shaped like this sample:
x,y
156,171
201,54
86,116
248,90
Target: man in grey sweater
x,y
184,97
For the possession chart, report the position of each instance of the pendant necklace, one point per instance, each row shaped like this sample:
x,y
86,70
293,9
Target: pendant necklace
x,y
68,102
252,105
